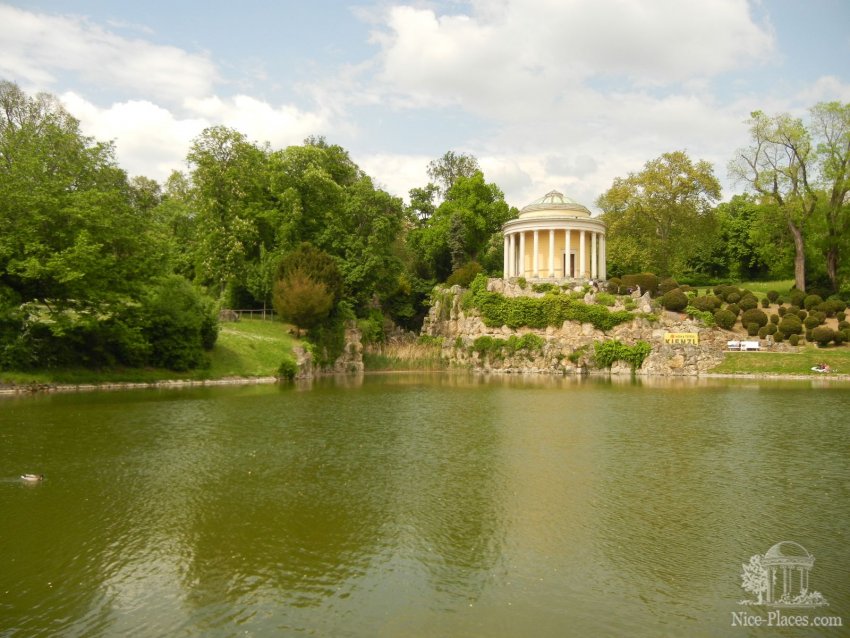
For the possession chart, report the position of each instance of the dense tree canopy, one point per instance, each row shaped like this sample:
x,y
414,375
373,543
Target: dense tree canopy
x,y
658,218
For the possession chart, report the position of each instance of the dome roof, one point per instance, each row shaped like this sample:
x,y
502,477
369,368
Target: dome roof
x,y
555,202
788,553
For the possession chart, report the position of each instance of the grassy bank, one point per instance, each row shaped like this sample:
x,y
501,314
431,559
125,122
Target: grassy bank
x,y
799,362
249,348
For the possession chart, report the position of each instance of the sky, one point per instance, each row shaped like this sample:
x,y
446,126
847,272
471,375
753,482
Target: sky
x,y
547,94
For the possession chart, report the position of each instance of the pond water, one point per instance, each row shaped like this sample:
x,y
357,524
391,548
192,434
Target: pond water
x,y
420,505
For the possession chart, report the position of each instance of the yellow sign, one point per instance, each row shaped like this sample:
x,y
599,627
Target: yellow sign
x,y
681,337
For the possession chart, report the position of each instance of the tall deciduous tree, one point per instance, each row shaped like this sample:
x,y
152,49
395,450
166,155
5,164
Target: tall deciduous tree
x,y
780,165
445,171
656,217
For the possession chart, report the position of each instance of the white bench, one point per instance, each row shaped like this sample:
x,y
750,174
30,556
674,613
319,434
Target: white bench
x,y
743,346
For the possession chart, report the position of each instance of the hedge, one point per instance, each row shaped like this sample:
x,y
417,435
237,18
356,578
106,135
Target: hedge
x,y
607,352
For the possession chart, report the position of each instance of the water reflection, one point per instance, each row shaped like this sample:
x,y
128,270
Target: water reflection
x,y
416,505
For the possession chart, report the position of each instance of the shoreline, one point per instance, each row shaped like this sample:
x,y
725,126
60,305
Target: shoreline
x,y
45,388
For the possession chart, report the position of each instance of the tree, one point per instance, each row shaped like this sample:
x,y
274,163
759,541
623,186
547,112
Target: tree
x,y
831,129
446,170
656,218
779,164
754,577
302,300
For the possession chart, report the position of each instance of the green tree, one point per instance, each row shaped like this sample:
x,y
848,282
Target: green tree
x,y
446,170
302,300
656,217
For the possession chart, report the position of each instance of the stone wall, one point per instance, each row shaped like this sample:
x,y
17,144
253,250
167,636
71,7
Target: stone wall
x,y
349,362
568,349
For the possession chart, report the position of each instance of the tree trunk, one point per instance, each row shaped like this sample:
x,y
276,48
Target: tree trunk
x,y
799,256
832,267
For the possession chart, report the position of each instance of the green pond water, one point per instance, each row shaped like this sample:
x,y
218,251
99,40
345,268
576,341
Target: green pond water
x,y
420,505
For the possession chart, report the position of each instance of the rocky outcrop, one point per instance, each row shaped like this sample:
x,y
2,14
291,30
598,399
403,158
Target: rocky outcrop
x,y
349,362
568,349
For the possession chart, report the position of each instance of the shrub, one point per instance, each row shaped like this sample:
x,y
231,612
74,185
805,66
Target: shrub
x,y
802,314
748,302
843,325
793,339
667,285
705,316
646,280
725,319
846,334
605,299
839,337
771,328
733,297
546,287
765,303
607,352
838,305
707,303
774,318
823,335
796,298
772,296
521,282
302,299
674,300
810,301
613,285
841,316
753,315
464,275
809,336
752,329
288,368
779,336
762,332
781,311
734,309
791,325
812,321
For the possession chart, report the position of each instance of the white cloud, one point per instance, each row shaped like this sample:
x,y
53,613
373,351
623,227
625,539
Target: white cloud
x,y
38,48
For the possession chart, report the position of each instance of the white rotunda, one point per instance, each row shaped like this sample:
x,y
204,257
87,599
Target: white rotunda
x,y
554,238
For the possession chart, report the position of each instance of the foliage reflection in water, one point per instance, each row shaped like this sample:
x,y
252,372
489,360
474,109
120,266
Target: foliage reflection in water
x,y
415,505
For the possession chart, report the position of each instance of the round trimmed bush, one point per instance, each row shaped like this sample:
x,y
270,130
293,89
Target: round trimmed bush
x,y
725,319
823,335
793,339
646,280
734,309
838,339
812,321
846,333
810,301
765,303
809,336
771,328
748,303
802,314
781,311
707,303
794,310
667,285
752,329
674,300
772,295
841,316
733,297
763,332
779,336
774,318
791,325
843,325
754,315
796,297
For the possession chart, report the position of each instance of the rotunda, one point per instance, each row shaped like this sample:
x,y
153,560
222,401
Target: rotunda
x,y
554,237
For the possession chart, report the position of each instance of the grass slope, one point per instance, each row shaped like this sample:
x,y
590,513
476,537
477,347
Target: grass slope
x,y
249,348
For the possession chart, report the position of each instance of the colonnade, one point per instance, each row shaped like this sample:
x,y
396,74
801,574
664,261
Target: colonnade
x,y
581,256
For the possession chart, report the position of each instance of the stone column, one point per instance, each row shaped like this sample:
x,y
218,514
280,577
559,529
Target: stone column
x,y
512,262
582,272
552,253
594,254
603,269
535,263
521,268
506,258
568,240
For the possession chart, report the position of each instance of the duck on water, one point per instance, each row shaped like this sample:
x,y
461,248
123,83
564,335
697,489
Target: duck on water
x,y
32,477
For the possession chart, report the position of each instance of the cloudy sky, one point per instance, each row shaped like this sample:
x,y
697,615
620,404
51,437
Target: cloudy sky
x,y
565,94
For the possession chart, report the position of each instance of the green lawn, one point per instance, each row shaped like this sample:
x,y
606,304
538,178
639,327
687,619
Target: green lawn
x,y
248,348
801,362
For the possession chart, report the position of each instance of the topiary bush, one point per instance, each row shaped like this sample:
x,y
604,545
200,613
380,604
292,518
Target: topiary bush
x,y
733,297
793,339
812,321
734,309
774,318
771,328
754,315
772,296
781,311
765,303
796,298
822,335
811,301
288,368
666,285
613,285
725,319
843,325
791,325
674,300
646,280
752,329
748,302
802,314
706,303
